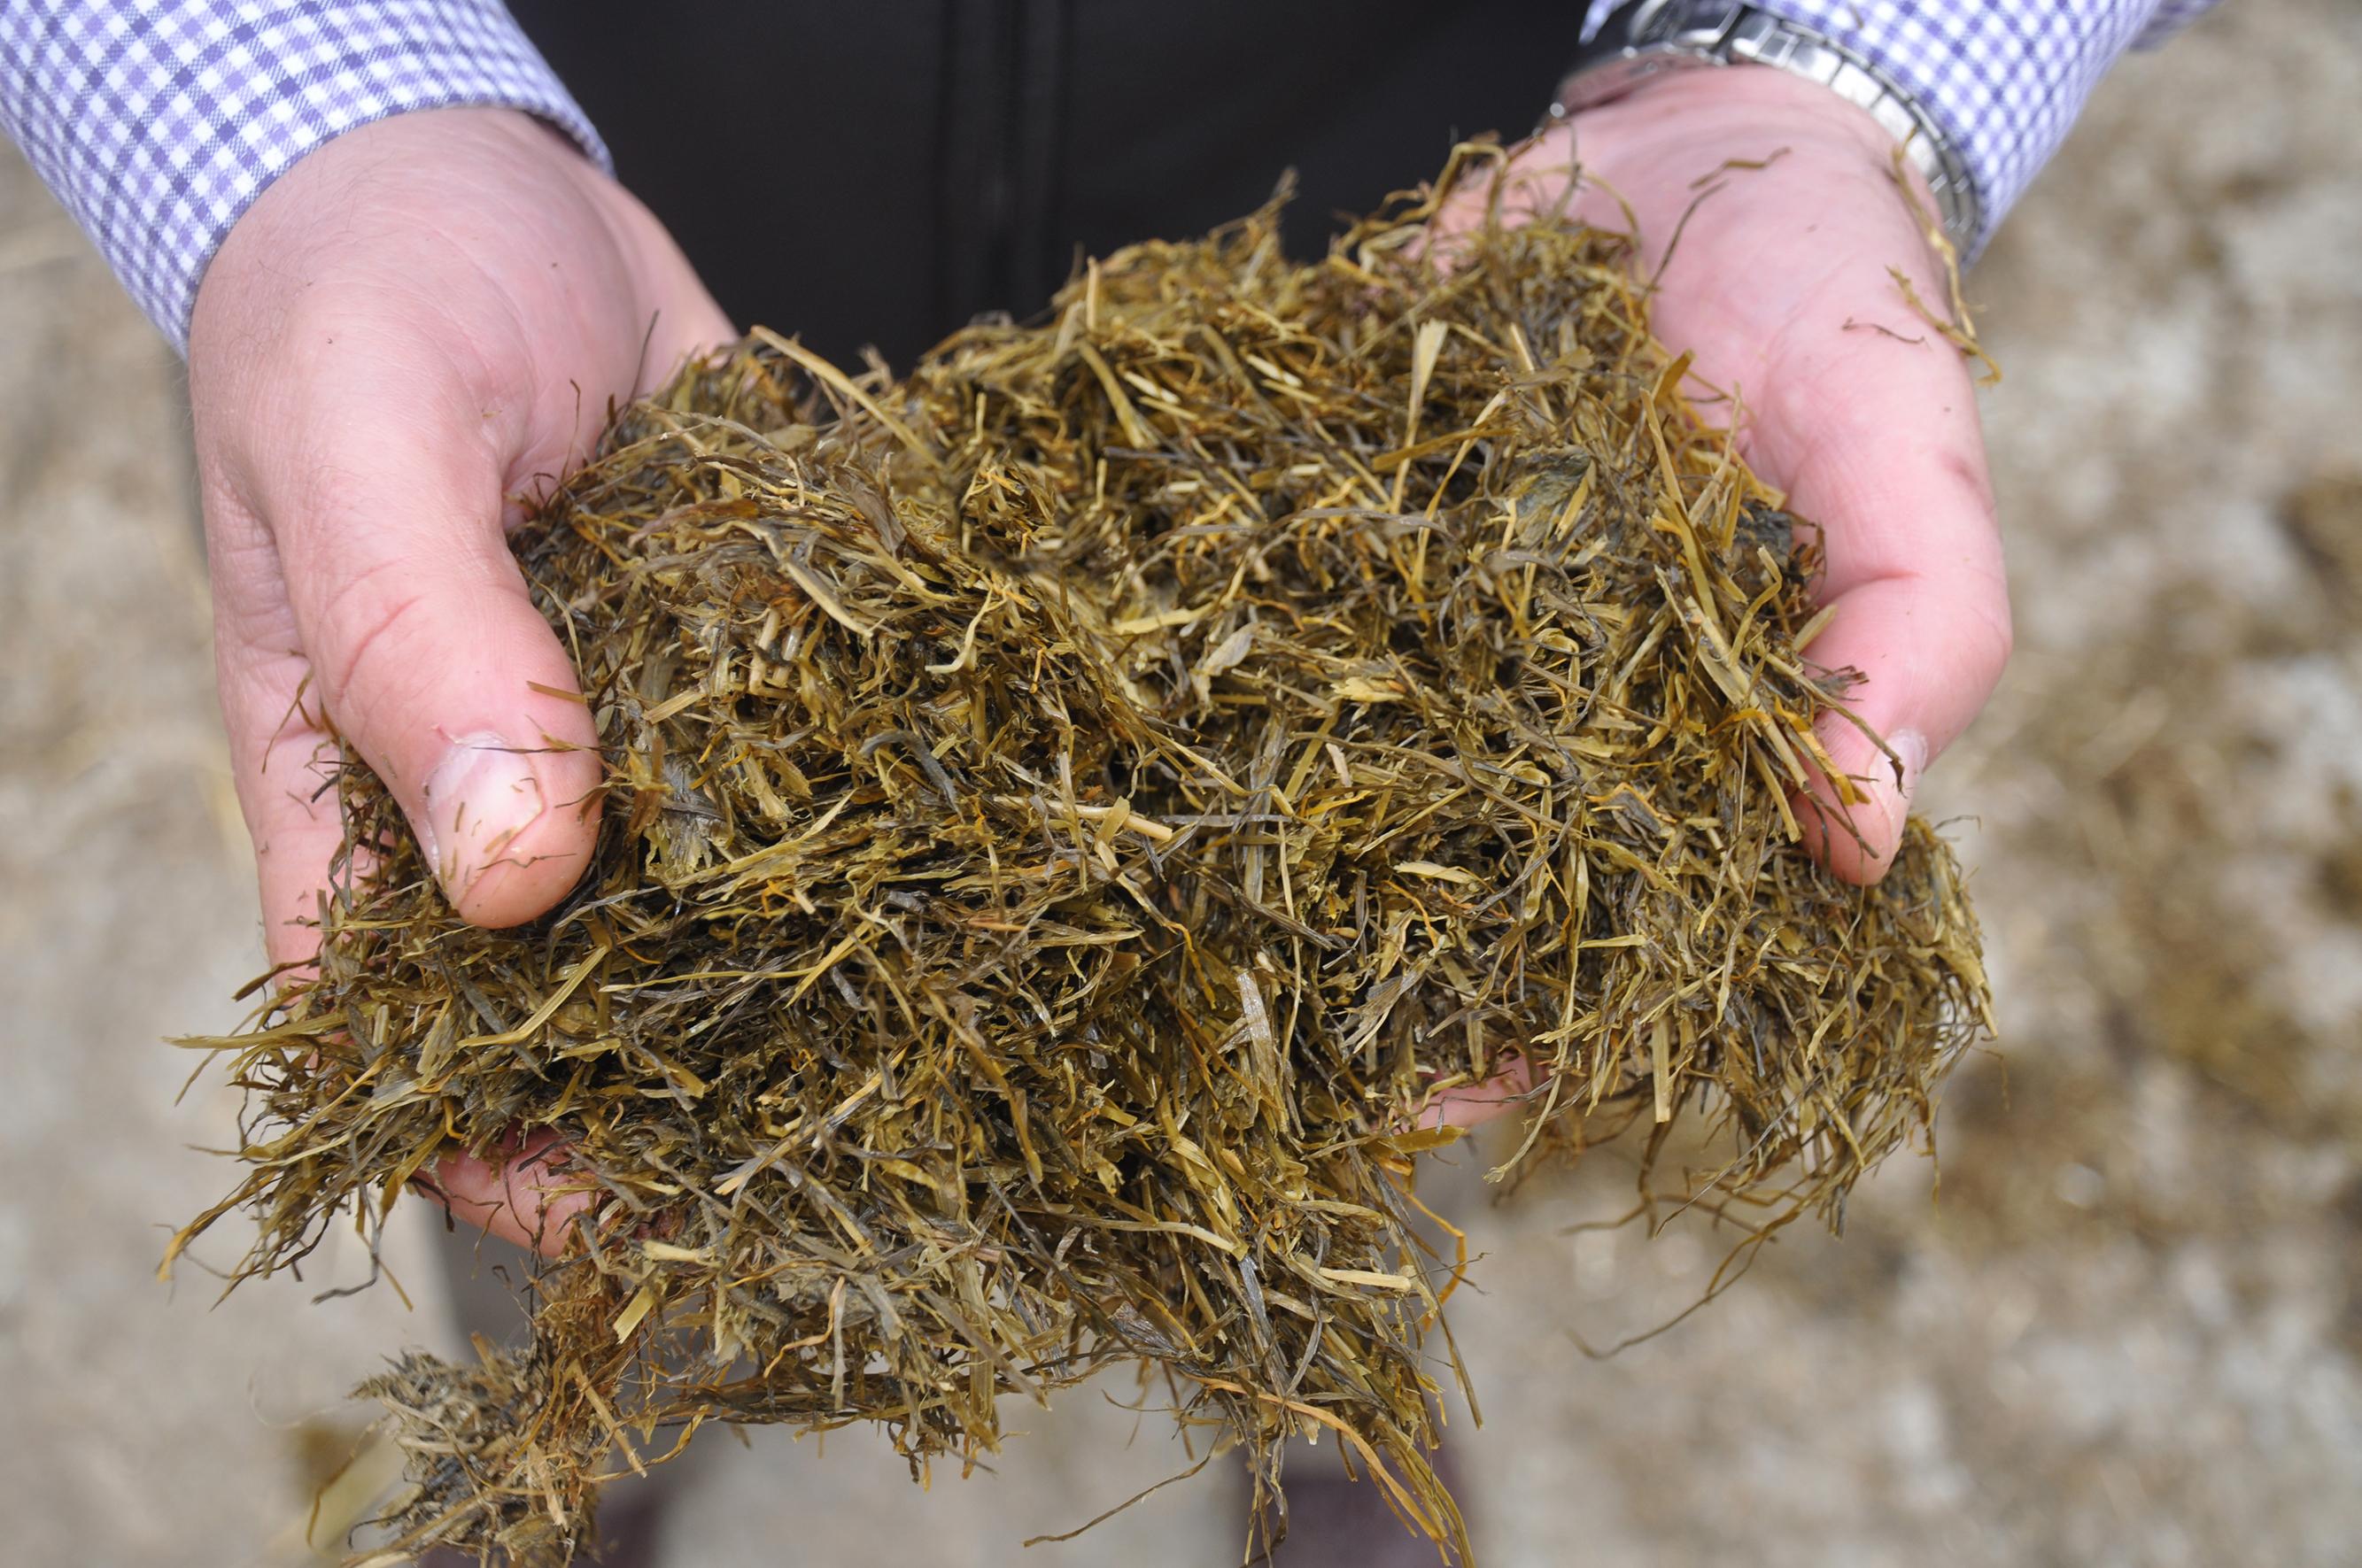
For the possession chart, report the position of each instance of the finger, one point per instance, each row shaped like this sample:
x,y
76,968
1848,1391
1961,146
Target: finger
x,y
1923,620
1877,440
415,628
1472,1105
283,757
529,1195
286,752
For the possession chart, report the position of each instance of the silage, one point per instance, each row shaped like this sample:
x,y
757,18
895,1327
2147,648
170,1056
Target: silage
x,y
1069,815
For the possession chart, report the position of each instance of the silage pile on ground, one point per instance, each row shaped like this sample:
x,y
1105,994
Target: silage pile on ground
x,y
1069,815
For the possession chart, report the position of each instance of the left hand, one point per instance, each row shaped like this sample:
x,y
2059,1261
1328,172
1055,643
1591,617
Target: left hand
x,y
1854,406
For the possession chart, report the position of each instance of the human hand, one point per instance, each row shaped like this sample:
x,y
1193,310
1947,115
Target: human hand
x,y
1779,285
1853,405
412,324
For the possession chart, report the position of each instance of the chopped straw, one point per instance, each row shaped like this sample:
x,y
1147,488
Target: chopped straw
x,y
1069,817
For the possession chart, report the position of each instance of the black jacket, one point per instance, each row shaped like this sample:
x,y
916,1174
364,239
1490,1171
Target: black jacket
x,y
881,171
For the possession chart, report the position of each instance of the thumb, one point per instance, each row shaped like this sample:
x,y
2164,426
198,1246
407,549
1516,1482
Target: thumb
x,y
1926,657
433,660
423,646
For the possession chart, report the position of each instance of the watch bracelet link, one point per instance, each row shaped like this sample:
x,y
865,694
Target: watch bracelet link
x,y
1646,38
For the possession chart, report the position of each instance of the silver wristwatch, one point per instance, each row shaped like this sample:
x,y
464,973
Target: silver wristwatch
x,y
1643,40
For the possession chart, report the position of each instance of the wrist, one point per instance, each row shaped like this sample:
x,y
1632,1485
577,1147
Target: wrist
x,y
1644,40
1779,153
398,179
160,125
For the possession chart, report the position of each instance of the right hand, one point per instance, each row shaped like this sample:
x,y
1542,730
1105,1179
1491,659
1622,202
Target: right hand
x,y
420,320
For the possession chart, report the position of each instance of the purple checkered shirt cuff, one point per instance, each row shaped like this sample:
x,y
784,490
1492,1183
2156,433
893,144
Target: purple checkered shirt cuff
x,y
2004,79
157,124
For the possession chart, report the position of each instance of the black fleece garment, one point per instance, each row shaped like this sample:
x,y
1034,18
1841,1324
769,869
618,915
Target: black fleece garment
x,y
883,172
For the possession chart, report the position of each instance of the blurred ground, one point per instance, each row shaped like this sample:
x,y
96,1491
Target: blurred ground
x,y
2126,1331
135,1425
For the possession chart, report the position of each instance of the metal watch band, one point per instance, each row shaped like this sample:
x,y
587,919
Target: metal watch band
x,y
1647,38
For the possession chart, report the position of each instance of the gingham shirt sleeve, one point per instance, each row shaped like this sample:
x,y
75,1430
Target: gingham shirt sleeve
x,y
2005,79
158,123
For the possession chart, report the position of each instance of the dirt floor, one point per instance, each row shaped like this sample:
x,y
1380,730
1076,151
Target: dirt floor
x,y
2126,1330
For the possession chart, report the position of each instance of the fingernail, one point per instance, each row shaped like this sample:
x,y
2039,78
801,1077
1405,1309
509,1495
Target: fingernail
x,y
1910,748
481,796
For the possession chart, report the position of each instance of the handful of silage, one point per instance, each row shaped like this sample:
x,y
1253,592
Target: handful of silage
x,y
1069,815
